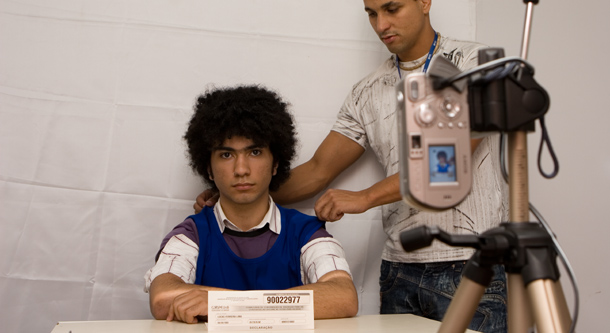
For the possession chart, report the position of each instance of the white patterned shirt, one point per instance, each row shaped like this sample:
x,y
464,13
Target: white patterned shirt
x,y
368,116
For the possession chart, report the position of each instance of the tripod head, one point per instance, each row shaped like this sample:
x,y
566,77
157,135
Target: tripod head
x,y
525,248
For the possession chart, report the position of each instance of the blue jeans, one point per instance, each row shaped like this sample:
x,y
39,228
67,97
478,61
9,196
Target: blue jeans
x,y
427,289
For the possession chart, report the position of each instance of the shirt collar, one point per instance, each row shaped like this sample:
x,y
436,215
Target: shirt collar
x,y
272,217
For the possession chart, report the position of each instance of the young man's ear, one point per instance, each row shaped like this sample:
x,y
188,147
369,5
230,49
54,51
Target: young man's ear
x,y
210,174
275,165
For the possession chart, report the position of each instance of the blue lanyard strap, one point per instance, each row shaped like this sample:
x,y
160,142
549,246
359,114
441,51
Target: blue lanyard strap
x,y
428,58
431,52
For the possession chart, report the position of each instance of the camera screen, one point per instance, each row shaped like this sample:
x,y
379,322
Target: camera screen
x,y
442,164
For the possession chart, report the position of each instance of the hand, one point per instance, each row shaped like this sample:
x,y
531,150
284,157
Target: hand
x,y
188,306
333,204
206,198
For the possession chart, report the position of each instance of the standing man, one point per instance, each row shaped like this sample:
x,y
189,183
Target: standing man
x,y
421,282
241,141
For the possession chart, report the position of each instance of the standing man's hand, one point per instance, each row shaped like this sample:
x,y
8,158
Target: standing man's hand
x,y
333,204
205,198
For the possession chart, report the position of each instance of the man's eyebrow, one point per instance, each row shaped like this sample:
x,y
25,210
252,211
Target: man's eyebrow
x,y
390,4
384,6
250,147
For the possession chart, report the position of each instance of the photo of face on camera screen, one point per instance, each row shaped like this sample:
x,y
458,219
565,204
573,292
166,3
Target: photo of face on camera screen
x,y
442,164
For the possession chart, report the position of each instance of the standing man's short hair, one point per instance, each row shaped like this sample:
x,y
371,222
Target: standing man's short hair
x,y
253,112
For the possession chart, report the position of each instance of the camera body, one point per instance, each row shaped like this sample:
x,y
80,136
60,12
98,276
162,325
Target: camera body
x,y
434,143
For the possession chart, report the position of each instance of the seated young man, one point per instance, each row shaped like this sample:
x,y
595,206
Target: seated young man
x,y
241,141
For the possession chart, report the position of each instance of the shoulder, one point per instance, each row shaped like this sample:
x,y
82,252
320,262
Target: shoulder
x,y
453,43
464,54
299,222
187,228
385,75
290,214
385,70
202,222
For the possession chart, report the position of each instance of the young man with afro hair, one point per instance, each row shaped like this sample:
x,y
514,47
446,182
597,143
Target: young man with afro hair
x,y
241,140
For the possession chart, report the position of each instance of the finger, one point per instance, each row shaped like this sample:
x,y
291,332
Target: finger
x,y
212,200
197,207
328,213
170,313
335,216
319,209
188,306
327,208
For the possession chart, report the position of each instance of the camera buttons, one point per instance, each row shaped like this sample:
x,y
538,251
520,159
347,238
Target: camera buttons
x,y
450,107
424,116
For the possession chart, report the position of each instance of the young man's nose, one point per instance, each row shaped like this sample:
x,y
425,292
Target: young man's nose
x,y
241,166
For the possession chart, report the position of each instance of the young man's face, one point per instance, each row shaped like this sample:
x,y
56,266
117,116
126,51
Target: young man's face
x,y
242,171
400,24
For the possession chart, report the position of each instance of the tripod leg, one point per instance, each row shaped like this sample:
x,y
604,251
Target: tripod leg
x,y
550,309
519,314
462,307
562,304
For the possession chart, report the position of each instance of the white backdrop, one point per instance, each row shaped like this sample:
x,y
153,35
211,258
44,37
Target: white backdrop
x,y
94,99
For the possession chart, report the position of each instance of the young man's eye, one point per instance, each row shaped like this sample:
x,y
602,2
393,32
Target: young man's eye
x,y
225,155
256,152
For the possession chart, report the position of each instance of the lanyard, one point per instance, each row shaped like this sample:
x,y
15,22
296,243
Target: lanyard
x,y
430,54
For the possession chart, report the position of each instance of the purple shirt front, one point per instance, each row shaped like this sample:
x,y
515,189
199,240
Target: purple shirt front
x,y
247,244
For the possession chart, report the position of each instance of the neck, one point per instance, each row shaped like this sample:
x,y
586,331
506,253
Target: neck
x,y
245,216
420,47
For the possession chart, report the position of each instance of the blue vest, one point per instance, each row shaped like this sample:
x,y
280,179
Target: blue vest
x,y
279,268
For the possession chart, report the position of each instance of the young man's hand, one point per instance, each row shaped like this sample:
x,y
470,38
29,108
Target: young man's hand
x,y
189,306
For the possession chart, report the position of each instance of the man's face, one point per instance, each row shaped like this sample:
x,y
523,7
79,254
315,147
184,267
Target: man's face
x,y
400,24
242,171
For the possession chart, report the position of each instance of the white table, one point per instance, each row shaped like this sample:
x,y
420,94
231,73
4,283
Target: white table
x,y
404,323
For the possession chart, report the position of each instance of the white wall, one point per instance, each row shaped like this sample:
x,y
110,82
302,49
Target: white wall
x,y
94,98
569,49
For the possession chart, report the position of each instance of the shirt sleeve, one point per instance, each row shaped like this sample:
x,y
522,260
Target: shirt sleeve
x,y
186,228
347,122
179,257
320,256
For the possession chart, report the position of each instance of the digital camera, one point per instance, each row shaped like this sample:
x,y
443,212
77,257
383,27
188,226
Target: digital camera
x,y
434,143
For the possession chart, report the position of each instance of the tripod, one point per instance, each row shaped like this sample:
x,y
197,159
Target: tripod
x,y
535,295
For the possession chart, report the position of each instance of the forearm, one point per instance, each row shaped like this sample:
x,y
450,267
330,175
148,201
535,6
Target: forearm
x,y
334,296
304,182
383,192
